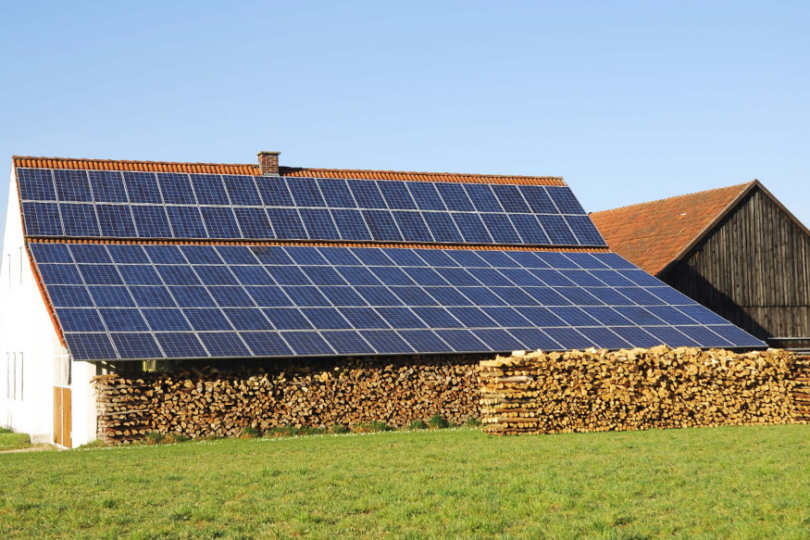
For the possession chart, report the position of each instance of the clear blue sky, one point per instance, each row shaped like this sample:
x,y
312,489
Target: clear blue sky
x,y
629,101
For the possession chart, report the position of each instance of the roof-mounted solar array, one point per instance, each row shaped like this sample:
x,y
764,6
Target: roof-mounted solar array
x,y
209,269
129,205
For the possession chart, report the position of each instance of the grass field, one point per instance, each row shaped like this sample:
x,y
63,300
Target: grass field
x,y
748,482
13,441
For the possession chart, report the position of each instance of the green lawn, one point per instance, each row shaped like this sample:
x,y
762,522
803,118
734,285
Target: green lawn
x,y
747,482
12,441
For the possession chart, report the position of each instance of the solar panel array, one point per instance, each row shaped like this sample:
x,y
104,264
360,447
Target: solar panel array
x,y
117,301
117,205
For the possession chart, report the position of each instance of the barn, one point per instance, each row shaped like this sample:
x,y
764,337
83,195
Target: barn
x,y
112,266
736,250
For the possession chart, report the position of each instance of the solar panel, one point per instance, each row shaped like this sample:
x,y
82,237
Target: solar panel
x,y
206,206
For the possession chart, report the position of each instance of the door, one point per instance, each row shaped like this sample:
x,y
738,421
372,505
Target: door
x,y
61,416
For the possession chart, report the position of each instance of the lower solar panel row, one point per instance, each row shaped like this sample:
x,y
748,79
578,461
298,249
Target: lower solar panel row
x,y
85,220
366,318
143,346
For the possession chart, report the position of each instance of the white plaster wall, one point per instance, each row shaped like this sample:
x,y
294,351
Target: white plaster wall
x,y
27,329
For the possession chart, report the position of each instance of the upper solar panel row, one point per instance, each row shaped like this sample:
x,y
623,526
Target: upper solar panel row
x,y
109,204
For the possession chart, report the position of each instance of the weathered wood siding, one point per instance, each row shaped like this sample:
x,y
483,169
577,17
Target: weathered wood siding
x,y
753,269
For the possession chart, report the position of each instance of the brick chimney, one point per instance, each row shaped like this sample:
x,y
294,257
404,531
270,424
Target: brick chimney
x,y
268,163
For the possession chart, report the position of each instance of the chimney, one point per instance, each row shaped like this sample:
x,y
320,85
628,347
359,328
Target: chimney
x,y
268,163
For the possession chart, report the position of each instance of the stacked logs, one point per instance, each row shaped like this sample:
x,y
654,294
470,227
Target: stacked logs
x,y
639,389
204,402
801,392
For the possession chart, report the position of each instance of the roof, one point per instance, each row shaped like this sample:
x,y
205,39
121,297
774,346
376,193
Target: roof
x,y
652,235
253,170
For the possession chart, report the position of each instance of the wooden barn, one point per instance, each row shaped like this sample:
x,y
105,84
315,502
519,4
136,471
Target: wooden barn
x,y
736,250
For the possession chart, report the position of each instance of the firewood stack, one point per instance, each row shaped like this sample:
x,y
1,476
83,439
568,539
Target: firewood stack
x,y
598,390
200,402
801,392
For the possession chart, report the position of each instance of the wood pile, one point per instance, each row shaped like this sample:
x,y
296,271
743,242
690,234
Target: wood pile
x,y
801,391
598,390
202,402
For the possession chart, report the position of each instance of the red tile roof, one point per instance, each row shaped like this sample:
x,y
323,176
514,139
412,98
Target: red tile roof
x,y
253,170
651,235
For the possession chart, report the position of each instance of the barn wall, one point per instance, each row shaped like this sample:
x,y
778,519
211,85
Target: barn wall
x,y
753,269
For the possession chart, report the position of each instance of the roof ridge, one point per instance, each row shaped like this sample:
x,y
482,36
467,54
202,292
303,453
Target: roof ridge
x,y
133,161
420,173
109,164
674,197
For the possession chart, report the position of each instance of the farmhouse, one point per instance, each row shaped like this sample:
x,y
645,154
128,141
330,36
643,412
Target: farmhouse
x,y
736,250
124,266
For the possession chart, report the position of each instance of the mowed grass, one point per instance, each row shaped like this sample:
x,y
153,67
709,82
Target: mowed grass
x,y
745,482
13,441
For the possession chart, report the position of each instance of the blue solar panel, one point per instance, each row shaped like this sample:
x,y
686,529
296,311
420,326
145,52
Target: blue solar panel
x,y
176,189
224,344
115,221
426,196
152,297
307,343
305,192
209,189
425,341
108,186
397,196
151,222
247,319
131,345
483,198
564,200
511,199
501,228
186,221
351,225
254,223
80,320
319,224
142,188
207,319
382,226
72,185
220,222
266,344
181,345
79,220
273,191
90,346
336,193
347,342
36,185
51,253
106,296
268,296
412,226
42,219
166,320
538,199
532,338
472,228
123,320
387,342
241,190
442,227
367,194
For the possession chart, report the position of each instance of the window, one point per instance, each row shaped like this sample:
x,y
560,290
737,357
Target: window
x,y
15,372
